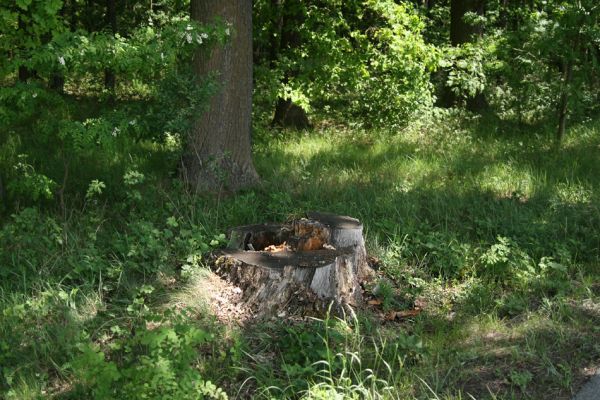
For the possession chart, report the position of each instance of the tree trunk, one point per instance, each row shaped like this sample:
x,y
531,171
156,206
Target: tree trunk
x,y
219,148
57,82
111,21
563,105
57,79
24,73
460,30
2,194
299,268
428,4
464,32
276,41
287,113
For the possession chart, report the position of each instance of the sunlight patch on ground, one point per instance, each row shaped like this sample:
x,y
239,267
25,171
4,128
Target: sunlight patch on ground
x,y
211,296
508,181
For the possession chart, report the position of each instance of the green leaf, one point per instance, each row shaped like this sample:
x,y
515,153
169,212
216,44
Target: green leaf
x,y
558,267
23,4
172,222
52,6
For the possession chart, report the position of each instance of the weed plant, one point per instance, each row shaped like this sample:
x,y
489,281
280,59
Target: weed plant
x,y
493,232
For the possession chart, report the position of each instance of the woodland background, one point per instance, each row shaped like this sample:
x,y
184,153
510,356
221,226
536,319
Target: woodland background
x,y
463,134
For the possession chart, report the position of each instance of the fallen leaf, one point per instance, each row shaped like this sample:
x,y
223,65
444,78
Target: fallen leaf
x,y
390,316
420,303
393,315
373,262
374,302
408,313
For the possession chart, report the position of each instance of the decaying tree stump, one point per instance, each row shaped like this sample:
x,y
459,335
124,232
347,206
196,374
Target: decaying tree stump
x,y
299,267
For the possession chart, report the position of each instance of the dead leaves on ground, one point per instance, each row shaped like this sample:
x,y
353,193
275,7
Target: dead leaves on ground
x,y
393,315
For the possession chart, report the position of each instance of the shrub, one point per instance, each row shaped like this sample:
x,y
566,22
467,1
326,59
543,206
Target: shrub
x,y
154,363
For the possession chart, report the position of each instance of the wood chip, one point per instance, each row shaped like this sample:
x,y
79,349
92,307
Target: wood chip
x,y
393,315
276,249
408,313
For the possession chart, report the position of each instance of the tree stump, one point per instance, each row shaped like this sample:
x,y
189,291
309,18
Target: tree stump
x,y
300,267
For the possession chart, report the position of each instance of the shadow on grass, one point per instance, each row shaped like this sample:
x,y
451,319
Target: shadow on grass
x,y
520,359
546,201
542,198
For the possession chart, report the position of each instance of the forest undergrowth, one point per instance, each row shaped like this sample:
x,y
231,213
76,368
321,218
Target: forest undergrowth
x,y
486,225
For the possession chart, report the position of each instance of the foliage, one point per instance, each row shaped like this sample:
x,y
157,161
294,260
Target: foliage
x,y
463,239
481,227
153,63
504,260
70,269
466,69
156,363
365,60
26,25
303,347
535,53
333,357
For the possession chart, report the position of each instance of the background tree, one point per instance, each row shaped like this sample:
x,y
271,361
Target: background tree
x,y
111,23
546,56
102,246
351,60
462,28
219,147
465,28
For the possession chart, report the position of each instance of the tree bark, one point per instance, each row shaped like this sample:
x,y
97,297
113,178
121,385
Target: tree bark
x,y
463,32
57,79
219,147
567,78
57,82
290,115
460,30
298,268
563,105
111,21
24,73
287,114
276,40
2,194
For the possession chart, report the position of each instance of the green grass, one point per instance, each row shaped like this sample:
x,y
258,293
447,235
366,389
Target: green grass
x,y
496,233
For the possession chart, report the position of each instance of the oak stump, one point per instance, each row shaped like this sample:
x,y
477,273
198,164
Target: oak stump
x,y
303,267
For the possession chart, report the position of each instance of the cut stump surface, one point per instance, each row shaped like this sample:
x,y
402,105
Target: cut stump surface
x,y
300,267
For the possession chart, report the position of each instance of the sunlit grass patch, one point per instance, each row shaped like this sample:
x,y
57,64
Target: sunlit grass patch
x,y
495,239
488,229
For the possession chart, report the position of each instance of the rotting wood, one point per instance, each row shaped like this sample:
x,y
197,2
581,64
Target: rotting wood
x,y
300,267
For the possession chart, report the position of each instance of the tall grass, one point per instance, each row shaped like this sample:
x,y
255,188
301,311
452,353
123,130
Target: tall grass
x,y
494,234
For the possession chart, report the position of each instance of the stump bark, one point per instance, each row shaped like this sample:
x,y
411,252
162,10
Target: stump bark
x,y
300,267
